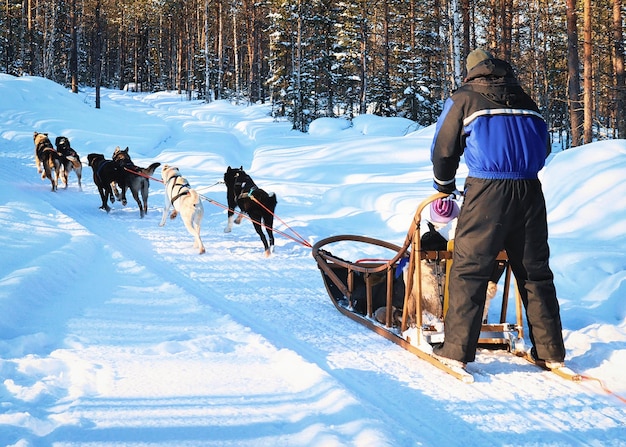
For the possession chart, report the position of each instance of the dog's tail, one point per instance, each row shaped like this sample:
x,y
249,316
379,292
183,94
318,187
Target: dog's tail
x,y
150,169
75,161
195,196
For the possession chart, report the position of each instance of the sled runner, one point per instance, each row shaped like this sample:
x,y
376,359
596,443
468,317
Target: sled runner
x,y
385,293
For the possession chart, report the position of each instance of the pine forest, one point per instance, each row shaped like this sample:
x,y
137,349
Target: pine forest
x,y
330,58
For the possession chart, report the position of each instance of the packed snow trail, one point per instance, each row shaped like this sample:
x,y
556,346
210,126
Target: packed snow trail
x,y
138,340
297,318
174,303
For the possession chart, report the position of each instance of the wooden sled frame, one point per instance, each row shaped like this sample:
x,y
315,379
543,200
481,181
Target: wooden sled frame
x,y
339,278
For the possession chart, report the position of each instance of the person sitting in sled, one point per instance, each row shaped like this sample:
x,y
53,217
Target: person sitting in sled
x,y
497,126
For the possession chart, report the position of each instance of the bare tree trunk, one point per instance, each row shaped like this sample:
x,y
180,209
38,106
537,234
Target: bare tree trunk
x,y
236,54
573,64
8,56
207,72
413,42
30,63
466,22
506,10
588,74
220,49
252,43
180,58
364,55
98,53
121,45
73,48
456,31
50,43
492,33
136,56
189,43
618,66
298,119
260,56
330,83
386,106
439,66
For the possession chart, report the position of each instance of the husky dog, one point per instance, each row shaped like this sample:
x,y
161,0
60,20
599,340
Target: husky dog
x,y
70,160
47,159
185,201
136,178
104,173
242,192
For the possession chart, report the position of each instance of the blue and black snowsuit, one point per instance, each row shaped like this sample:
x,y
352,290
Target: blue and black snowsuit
x,y
497,127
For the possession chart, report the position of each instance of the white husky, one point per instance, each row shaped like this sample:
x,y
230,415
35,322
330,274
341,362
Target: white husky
x,y
185,201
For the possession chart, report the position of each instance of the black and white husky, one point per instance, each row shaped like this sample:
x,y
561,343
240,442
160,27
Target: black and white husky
x,y
259,205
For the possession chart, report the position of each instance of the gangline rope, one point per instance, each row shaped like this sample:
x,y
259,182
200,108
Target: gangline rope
x,y
297,238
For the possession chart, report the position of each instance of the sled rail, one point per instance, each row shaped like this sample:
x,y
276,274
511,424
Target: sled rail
x,y
340,279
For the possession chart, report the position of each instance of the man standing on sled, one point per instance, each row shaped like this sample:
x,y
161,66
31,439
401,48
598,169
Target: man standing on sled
x,y
497,126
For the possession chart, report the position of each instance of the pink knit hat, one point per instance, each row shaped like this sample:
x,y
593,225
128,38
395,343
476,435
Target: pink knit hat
x,y
443,211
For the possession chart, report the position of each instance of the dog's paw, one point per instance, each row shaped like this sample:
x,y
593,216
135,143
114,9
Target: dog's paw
x,y
173,214
227,230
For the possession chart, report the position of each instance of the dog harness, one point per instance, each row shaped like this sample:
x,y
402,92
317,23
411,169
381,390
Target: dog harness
x,y
102,165
180,187
245,191
246,194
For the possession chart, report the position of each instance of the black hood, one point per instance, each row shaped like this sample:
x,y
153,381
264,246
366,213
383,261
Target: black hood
x,y
491,68
495,79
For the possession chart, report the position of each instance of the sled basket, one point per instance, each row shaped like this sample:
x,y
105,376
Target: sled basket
x,y
383,287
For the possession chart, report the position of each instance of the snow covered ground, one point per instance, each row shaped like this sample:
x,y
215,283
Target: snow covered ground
x,y
115,332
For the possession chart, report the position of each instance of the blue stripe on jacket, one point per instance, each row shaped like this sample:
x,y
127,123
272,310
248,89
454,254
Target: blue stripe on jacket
x,y
516,141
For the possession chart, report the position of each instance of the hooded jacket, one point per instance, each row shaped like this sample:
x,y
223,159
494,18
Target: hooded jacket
x,y
494,123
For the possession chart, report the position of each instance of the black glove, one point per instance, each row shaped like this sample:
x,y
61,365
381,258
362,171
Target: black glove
x,y
450,188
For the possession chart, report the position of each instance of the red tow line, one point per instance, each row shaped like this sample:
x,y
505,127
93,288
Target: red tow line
x,y
141,174
299,239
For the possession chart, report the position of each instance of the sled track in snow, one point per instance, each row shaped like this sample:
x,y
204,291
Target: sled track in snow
x,y
286,303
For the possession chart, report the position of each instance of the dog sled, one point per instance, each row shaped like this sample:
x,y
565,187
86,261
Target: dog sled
x,y
385,293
